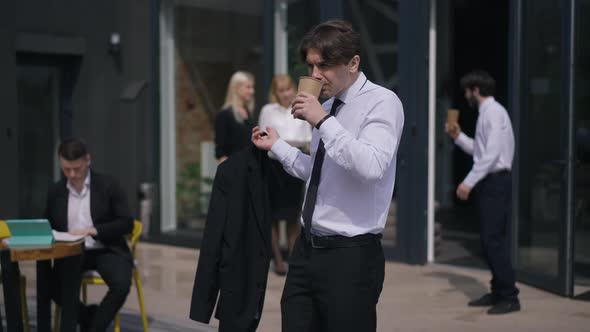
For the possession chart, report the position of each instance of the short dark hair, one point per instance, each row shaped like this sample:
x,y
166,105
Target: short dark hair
x,y
335,40
72,149
480,79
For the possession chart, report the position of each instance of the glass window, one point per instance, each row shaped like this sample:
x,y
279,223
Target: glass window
x,y
302,16
377,22
540,168
582,142
208,42
459,50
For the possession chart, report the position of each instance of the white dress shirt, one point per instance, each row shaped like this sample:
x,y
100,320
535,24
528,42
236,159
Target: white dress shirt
x,y
493,148
358,172
79,216
296,132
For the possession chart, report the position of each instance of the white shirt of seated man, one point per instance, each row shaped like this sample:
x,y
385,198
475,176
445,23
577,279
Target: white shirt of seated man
x,y
79,217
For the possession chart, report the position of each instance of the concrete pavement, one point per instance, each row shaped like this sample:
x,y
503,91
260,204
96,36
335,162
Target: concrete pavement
x,y
414,298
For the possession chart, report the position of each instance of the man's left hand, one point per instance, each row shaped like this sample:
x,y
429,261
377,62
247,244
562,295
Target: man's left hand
x,y
307,107
463,191
86,231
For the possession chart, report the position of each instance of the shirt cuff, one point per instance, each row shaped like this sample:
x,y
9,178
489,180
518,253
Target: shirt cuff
x,y
471,179
329,130
283,151
462,139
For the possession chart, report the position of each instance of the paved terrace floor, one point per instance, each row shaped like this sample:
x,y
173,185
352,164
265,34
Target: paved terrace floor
x,y
414,298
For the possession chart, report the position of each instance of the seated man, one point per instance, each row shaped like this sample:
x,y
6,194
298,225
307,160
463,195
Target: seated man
x,y
94,205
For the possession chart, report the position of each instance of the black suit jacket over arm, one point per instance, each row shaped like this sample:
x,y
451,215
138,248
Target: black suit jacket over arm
x,y
235,251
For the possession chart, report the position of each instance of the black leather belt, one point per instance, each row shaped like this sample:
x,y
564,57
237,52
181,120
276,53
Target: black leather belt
x,y
500,172
339,241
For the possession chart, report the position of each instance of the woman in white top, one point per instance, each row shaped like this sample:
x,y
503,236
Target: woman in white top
x,y
287,191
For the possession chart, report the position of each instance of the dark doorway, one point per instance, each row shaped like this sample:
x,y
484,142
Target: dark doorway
x,y
470,35
44,87
38,101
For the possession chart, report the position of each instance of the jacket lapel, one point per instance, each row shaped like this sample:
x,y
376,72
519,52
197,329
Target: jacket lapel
x,y
257,194
94,196
61,203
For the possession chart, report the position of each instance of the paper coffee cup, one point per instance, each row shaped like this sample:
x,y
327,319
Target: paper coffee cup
x,y
310,85
452,116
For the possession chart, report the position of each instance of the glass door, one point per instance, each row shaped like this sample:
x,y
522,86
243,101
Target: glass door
x,y
582,144
541,207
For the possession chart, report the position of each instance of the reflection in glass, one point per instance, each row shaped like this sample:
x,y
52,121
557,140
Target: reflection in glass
x,y
582,143
212,41
540,167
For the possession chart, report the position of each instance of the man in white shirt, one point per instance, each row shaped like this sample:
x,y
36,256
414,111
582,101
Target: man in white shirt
x,y
490,176
336,270
93,205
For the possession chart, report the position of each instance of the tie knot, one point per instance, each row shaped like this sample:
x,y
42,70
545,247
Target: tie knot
x,y
335,104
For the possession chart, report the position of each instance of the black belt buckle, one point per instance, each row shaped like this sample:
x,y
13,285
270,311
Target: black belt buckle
x,y
313,244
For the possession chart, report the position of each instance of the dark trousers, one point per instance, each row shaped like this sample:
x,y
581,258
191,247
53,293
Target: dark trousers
x,y
65,290
116,271
224,326
332,289
494,199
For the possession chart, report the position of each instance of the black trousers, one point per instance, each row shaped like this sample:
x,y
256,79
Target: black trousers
x,y
116,271
494,200
332,289
65,290
224,326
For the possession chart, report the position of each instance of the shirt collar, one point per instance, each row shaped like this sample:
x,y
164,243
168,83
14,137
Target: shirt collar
x,y
488,101
354,89
86,185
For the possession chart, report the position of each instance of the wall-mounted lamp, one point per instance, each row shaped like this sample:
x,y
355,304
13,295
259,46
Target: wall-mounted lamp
x,y
115,43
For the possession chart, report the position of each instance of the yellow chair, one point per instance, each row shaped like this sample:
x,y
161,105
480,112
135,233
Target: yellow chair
x,y
5,233
94,279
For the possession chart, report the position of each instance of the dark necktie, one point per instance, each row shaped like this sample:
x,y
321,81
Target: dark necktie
x,y
312,190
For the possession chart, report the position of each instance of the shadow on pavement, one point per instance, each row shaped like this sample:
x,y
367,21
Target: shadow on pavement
x,y
471,287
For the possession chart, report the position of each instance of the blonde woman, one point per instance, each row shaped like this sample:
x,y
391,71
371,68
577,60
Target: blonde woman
x,y
233,124
287,191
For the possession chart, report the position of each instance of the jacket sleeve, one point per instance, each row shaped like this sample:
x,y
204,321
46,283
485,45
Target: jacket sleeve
x,y
121,222
206,284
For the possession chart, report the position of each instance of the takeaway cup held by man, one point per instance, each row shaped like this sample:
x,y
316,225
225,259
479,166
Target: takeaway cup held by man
x,y
452,125
452,116
310,85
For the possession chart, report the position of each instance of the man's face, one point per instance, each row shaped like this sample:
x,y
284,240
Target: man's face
x,y
336,78
470,97
75,170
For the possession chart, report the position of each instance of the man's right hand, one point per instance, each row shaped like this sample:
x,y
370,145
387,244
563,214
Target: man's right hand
x,y
264,140
453,129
